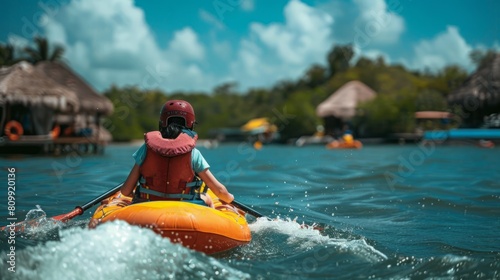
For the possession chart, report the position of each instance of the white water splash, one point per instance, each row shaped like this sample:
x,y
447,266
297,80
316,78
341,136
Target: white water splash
x,y
307,237
117,250
301,235
36,223
360,248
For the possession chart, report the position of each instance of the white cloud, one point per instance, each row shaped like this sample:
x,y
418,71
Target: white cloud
x,y
109,42
247,5
186,44
371,26
17,41
305,36
496,46
446,48
283,50
211,19
377,23
250,57
222,49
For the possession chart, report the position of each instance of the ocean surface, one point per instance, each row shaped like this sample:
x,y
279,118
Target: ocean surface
x,y
416,211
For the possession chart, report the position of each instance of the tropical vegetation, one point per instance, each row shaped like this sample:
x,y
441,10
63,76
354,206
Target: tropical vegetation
x,y
290,104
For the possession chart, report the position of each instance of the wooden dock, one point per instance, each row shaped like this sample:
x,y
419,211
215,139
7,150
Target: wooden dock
x,y
45,144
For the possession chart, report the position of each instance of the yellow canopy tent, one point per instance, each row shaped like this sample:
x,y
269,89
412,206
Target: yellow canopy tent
x,y
259,125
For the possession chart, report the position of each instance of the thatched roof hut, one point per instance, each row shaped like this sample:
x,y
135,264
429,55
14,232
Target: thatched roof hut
x,y
338,110
342,103
480,93
433,115
23,84
90,101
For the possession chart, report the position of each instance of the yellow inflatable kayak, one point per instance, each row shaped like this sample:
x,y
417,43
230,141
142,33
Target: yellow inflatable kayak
x,y
201,228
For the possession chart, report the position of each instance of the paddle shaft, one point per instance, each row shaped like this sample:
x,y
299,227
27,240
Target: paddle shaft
x,y
247,209
20,226
80,209
100,198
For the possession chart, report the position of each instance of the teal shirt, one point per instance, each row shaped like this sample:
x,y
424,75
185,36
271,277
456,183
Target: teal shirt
x,y
198,162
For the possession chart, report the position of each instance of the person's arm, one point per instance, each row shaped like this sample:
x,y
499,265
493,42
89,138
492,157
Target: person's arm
x,y
131,182
217,187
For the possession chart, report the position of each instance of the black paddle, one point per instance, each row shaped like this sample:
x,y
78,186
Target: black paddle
x,y
259,215
80,209
247,209
68,216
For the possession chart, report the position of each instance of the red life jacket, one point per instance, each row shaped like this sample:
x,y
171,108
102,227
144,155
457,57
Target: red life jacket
x,y
167,173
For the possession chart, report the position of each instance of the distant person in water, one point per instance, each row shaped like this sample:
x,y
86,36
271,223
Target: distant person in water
x,y
167,164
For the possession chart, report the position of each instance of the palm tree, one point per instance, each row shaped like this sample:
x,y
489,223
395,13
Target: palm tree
x,y
315,76
339,58
42,53
7,57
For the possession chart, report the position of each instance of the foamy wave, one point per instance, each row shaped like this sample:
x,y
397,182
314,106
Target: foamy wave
x,y
302,237
36,225
116,251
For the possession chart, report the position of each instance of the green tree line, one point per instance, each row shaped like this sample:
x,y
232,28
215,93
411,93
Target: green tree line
x,y
289,104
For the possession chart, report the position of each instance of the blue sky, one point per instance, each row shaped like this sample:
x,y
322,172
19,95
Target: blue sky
x,y
196,45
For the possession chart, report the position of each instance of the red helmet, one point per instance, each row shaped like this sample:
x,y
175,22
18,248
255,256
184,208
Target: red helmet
x,y
177,108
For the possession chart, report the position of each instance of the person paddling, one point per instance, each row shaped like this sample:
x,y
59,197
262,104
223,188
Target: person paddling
x,y
168,164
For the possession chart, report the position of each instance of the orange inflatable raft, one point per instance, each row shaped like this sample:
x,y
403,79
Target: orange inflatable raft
x,y
201,228
347,142
344,145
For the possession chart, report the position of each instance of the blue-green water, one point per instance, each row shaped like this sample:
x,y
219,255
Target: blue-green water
x,y
382,212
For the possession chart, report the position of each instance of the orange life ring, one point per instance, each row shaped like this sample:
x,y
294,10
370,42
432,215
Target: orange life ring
x,y
13,130
55,131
